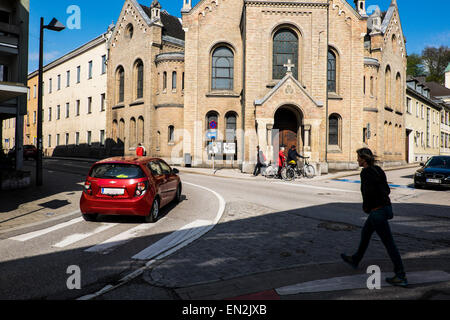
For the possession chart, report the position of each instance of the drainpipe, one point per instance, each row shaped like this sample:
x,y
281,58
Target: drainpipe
x,y
326,83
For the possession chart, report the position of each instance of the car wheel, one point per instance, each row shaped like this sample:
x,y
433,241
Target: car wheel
x,y
90,217
177,198
417,186
154,212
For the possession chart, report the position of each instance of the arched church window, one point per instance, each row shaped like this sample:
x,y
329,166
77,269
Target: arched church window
x,y
334,129
332,87
222,69
120,84
171,137
132,132
230,133
139,74
285,48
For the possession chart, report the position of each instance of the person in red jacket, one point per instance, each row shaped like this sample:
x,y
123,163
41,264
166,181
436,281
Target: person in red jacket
x,y
140,150
281,160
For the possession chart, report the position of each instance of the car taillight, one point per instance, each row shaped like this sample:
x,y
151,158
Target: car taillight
x,y
141,188
87,187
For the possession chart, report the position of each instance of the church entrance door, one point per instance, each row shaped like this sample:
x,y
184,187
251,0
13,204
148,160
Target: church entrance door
x,y
288,124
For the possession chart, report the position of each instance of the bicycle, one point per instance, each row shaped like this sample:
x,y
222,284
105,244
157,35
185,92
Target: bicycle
x,y
293,171
272,171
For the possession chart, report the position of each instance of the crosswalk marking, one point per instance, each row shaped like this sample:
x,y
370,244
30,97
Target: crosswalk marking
x,y
80,236
35,234
107,245
175,238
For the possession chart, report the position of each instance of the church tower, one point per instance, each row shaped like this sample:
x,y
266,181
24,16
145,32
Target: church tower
x,y
187,6
361,7
155,10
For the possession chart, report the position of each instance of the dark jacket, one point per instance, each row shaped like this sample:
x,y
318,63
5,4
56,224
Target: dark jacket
x,y
374,188
292,155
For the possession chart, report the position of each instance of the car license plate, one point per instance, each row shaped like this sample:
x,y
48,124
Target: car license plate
x,y
113,191
433,181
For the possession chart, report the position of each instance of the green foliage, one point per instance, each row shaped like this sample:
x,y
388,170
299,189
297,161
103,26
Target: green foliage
x,y
435,61
415,66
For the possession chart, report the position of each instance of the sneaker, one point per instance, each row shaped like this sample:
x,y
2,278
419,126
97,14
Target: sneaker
x,y
349,260
397,281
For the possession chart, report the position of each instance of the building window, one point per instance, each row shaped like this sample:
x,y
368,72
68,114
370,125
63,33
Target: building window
x,y
387,82
68,78
50,85
34,117
371,86
67,139
89,105
77,108
58,112
222,69
89,138
333,132
49,140
67,109
90,70
408,105
3,73
171,137
103,64
34,91
212,125
230,130
102,102
174,80
132,132
285,48
164,81
77,138
78,74
140,130
57,140
50,114
120,84
182,82
139,71
332,64
59,82
102,138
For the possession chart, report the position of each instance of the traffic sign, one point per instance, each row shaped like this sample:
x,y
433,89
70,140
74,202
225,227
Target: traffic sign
x,y
213,125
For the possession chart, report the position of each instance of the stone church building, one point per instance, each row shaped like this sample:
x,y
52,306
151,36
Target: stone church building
x,y
238,74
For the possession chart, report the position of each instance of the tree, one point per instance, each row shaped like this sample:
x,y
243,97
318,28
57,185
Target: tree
x,y
436,60
415,65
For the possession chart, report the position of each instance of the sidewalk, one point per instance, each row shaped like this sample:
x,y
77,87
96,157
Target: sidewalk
x,y
35,205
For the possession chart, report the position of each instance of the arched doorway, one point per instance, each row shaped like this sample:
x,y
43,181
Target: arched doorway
x,y
288,127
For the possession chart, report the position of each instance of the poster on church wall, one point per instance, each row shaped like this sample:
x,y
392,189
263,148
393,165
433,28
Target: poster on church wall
x,y
229,148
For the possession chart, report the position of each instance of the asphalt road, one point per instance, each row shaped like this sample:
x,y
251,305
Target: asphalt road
x,y
266,225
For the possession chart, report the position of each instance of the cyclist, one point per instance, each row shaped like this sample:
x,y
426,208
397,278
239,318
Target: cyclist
x,y
293,155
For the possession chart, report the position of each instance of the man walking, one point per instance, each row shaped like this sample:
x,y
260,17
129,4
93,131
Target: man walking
x,y
260,161
376,202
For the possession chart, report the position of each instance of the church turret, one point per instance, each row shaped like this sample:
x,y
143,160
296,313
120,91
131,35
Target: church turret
x,y
374,22
156,10
361,7
187,6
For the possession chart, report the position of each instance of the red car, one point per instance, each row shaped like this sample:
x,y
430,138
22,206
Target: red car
x,y
138,186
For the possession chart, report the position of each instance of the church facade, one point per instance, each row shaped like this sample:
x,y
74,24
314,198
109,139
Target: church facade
x,y
237,74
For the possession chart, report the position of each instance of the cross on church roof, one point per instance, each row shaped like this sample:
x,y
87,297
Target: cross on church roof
x,y
289,66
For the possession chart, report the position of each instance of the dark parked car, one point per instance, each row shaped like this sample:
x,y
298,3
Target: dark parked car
x,y
29,151
435,172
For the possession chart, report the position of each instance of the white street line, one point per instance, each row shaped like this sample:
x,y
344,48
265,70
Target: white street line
x,y
359,282
107,245
315,187
166,251
184,233
35,234
80,236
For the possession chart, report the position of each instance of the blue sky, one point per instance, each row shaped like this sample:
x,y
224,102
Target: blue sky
x,y
425,23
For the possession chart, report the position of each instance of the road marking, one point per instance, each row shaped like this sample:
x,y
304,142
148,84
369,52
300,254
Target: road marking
x,y
106,246
35,234
315,187
359,282
175,238
81,236
165,251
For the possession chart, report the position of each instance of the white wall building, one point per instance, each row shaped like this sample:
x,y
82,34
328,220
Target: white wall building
x,y
74,102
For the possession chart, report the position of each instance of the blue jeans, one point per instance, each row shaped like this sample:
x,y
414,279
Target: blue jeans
x,y
378,222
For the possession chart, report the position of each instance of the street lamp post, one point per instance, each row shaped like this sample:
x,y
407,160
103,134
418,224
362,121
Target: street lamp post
x,y
54,25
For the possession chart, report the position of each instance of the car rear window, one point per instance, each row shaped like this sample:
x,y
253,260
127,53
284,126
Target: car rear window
x,y
117,171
